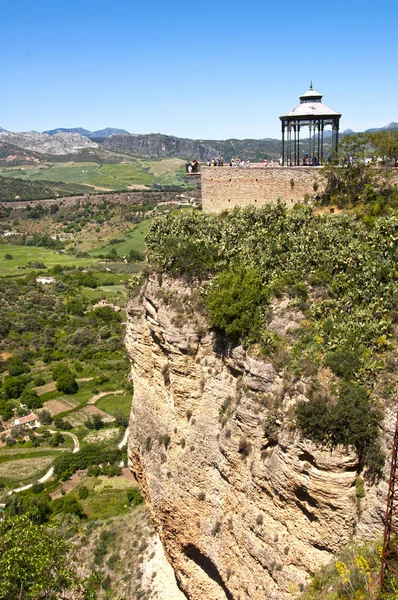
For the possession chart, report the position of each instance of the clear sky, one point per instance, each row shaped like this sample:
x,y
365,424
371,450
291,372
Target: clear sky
x,y
203,70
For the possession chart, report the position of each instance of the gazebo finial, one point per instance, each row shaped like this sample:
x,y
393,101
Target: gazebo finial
x,y
311,85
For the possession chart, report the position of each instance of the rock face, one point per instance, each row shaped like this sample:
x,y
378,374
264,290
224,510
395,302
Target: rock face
x,y
245,507
61,143
159,145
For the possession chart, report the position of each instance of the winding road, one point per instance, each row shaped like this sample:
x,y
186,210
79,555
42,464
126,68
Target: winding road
x,y
50,472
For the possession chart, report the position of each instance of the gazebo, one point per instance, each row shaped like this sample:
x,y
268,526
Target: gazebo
x,y
316,116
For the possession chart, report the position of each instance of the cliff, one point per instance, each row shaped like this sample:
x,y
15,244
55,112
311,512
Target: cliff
x,y
159,145
244,505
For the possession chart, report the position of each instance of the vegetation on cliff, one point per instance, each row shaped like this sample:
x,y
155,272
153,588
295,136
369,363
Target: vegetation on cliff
x,y
343,278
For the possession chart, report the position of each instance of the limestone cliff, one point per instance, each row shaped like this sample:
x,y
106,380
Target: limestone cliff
x,y
244,506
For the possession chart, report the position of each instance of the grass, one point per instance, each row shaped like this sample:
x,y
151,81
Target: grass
x,y
111,403
16,471
66,174
161,167
22,255
20,453
107,503
134,241
114,177
129,173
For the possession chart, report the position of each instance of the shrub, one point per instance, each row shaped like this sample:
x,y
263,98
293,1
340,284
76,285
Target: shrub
x,y
134,496
353,421
83,492
234,303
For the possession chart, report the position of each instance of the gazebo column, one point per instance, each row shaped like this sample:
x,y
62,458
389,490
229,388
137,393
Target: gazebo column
x,y
319,142
283,143
295,144
298,143
322,129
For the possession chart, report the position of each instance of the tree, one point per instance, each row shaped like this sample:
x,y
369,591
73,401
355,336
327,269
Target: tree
x,y
8,256
16,366
31,399
349,183
67,383
13,387
45,417
34,562
386,145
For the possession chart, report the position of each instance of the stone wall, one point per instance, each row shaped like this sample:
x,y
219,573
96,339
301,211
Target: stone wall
x,y
225,187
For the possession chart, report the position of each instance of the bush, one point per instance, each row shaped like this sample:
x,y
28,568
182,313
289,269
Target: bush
x,y
134,496
83,492
235,301
353,421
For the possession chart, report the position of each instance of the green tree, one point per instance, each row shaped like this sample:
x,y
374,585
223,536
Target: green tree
x,y
16,366
67,383
31,399
13,387
34,562
386,145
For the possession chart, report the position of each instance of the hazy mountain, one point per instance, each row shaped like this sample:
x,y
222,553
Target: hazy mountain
x,y
3,130
393,126
79,130
107,132
100,133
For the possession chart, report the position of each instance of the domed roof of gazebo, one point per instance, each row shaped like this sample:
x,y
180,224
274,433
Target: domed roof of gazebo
x,y
310,107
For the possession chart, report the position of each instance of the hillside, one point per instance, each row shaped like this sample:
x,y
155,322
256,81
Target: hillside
x,y
15,189
60,143
159,145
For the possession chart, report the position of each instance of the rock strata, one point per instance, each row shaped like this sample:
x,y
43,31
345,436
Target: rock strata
x,y
245,507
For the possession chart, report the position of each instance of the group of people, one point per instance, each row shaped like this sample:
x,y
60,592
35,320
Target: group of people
x,y
216,162
192,167
238,162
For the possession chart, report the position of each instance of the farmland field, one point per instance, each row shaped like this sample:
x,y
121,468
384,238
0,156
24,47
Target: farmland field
x,y
22,255
115,177
134,241
112,403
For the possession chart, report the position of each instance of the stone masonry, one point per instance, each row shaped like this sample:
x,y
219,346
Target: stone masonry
x,y
226,187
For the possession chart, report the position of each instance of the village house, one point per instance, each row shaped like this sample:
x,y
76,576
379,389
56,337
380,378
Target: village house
x,y
30,421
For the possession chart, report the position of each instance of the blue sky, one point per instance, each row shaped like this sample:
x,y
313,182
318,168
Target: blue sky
x,y
203,70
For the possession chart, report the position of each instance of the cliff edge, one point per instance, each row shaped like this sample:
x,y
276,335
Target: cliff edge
x,y
244,505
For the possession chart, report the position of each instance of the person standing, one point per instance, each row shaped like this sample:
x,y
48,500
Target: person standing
x,y
265,162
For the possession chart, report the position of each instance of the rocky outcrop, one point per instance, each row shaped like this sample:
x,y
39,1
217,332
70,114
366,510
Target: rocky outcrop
x,y
61,143
159,145
245,507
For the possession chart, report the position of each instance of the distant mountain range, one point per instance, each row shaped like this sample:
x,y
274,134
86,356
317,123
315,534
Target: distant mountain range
x,y
65,141
101,133
393,126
